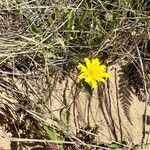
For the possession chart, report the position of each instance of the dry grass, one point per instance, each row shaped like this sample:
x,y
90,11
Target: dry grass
x,y
43,104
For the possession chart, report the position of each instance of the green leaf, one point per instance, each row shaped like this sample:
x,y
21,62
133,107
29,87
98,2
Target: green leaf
x,y
82,18
87,4
34,28
87,88
49,21
70,20
68,115
115,146
61,41
52,134
4,59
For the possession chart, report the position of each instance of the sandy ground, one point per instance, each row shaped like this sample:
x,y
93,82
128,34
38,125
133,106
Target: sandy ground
x,y
100,110
96,114
4,141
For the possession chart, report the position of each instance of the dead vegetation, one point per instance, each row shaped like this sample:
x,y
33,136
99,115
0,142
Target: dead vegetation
x,y
43,105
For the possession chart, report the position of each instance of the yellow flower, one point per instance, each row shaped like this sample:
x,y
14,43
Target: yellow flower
x,y
93,72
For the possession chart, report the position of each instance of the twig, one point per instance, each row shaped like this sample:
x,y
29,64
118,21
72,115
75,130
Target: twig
x,y
56,142
118,109
147,97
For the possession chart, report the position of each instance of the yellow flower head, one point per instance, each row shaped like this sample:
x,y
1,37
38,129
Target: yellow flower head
x,y
93,72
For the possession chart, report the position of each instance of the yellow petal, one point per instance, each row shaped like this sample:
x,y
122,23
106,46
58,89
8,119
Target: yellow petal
x,y
81,76
88,79
88,63
93,72
95,62
107,75
102,68
102,80
94,84
82,67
